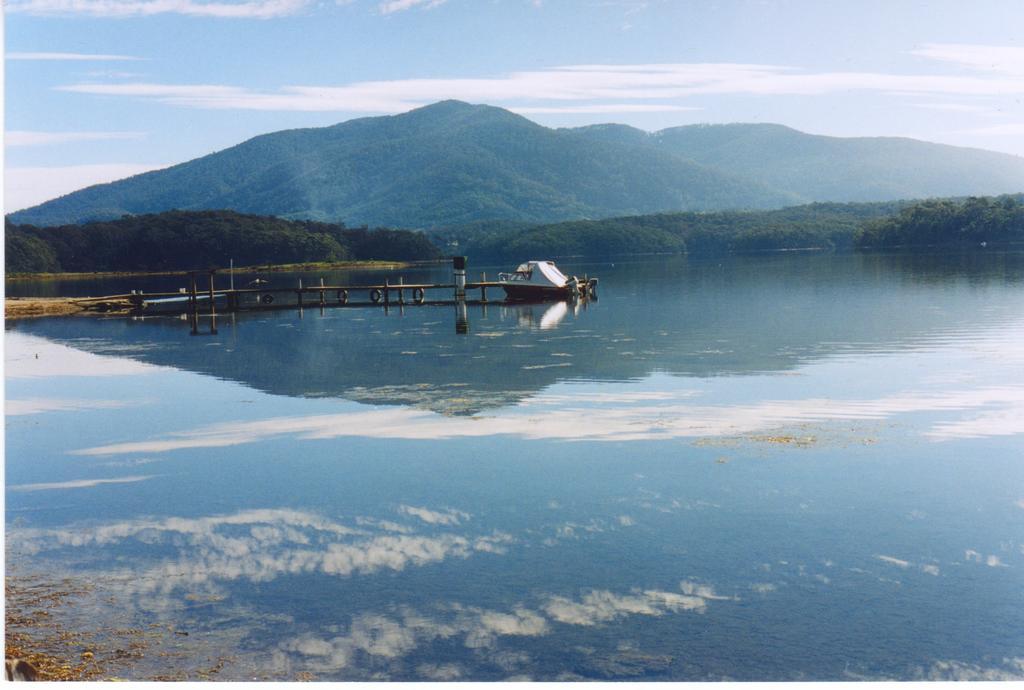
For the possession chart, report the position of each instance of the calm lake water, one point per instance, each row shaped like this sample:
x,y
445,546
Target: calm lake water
x,y
787,467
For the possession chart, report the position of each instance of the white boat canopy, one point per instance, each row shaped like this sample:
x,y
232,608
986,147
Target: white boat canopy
x,y
539,273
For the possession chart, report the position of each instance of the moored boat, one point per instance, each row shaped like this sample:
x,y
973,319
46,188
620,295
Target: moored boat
x,y
541,280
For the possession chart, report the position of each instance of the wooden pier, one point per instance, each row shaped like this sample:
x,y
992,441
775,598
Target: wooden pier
x,y
202,297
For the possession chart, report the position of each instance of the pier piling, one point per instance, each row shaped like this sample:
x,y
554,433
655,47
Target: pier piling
x,y
459,270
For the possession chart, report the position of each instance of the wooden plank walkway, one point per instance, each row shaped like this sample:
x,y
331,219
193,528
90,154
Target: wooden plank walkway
x,y
262,297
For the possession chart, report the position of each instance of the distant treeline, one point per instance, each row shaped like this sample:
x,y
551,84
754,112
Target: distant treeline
x,y
949,223
828,226
177,240
818,226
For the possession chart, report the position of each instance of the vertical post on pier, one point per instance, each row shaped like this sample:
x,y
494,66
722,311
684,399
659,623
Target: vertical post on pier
x,y
193,302
213,309
387,293
322,302
299,293
459,269
483,288
401,292
232,297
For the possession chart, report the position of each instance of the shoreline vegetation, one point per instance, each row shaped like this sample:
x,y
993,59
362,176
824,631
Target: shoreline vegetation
x,y
31,307
175,242
188,240
257,268
60,647
895,225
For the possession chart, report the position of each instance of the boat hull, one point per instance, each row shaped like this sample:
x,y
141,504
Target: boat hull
x,y
534,293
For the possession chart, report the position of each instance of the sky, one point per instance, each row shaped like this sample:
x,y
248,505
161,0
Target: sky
x,y
96,90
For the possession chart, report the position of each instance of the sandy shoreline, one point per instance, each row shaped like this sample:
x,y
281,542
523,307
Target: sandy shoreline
x,y
29,307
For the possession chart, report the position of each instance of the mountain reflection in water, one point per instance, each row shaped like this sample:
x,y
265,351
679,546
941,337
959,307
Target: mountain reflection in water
x,y
700,319
775,468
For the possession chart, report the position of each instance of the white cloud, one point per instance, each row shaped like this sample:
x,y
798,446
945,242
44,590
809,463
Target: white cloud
x,y
601,606
1008,129
89,57
1005,422
257,545
898,562
392,6
38,405
77,484
28,186
245,9
950,670
28,138
398,635
445,517
111,74
571,88
395,636
603,108
30,357
597,423
699,590
958,108
441,673
984,58
385,525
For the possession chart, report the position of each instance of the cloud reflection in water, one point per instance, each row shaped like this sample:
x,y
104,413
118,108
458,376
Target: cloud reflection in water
x,y
264,544
601,421
394,636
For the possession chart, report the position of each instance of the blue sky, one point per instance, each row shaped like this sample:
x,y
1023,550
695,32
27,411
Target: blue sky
x,y
99,89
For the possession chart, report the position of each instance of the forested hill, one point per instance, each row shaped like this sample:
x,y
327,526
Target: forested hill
x,y
996,221
198,239
446,163
453,163
819,168
811,226
947,223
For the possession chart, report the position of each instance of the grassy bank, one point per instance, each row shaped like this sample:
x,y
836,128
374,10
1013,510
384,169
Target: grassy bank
x,y
261,268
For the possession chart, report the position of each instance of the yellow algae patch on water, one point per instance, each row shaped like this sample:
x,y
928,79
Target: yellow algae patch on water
x,y
798,441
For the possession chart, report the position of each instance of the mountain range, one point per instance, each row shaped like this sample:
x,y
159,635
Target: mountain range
x,y
452,162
